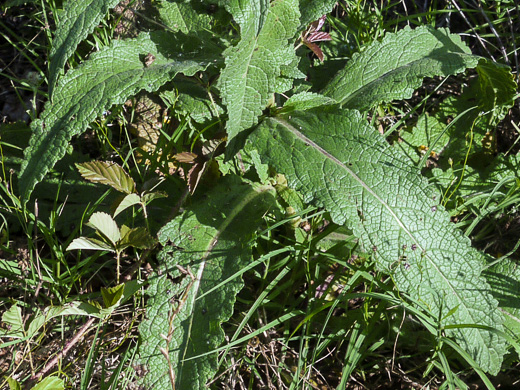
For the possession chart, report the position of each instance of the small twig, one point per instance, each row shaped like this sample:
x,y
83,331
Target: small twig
x,y
65,350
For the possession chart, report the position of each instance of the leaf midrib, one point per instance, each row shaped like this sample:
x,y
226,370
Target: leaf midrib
x,y
332,158
409,64
211,244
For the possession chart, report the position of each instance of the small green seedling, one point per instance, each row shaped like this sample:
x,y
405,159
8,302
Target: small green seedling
x,y
111,238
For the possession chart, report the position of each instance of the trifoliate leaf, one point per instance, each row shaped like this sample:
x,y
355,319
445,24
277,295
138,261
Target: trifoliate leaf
x,y
106,226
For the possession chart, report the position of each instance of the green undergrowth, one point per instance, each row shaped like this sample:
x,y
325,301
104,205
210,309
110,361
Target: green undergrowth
x,y
250,184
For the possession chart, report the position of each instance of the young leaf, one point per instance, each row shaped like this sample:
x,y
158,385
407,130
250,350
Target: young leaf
x,y
210,243
90,244
106,226
394,68
112,295
339,162
14,321
136,237
109,77
50,383
253,67
108,173
128,201
78,20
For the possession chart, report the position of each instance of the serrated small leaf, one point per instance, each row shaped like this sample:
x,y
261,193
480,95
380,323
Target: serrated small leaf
x,y
90,244
128,201
195,174
74,308
215,238
148,197
342,164
106,226
12,318
14,384
108,173
315,49
318,36
50,383
136,237
77,21
395,68
112,295
185,157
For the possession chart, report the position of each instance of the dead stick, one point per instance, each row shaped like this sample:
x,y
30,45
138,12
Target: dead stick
x,y
68,346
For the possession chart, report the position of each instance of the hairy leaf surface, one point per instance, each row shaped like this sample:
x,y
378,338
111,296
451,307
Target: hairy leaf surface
x,y
394,68
254,66
109,77
312,10
210,241
78,20
339,162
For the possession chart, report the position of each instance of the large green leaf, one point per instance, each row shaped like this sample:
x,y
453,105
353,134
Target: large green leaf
x,y
254,66
341,163
184,312
312,10
109,77
183,16
78,20
394,68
